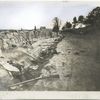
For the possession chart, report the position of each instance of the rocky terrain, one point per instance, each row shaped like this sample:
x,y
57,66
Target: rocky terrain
x,y
21,63
77,64
52,60
68,62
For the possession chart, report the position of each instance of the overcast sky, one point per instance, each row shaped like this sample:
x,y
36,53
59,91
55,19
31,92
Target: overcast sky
x,y
24,14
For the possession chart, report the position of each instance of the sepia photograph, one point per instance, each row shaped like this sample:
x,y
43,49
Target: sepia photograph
x,y
49,46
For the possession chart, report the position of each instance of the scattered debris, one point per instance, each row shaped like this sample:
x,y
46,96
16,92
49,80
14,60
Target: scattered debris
x,y
27,64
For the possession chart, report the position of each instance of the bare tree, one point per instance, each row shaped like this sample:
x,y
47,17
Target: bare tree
x,y
56,25
74,22
35,31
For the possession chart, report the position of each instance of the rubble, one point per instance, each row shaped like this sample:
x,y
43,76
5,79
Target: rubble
x,y
27,63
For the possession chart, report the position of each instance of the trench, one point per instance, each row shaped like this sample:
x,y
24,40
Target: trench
x,y
32,74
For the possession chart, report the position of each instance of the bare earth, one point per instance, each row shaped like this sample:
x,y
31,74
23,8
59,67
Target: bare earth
x,y
82,56
77,64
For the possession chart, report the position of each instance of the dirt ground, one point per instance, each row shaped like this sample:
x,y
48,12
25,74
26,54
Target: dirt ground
x,y
77,64
82,56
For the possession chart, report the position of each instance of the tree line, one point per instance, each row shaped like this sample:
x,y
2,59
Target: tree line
x,y
93,18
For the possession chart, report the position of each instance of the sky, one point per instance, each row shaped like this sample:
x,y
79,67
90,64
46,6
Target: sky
x,y
27,14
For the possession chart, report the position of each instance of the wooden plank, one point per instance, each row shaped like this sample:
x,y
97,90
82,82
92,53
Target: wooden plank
x,y
35,79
